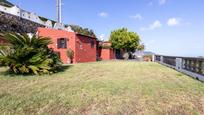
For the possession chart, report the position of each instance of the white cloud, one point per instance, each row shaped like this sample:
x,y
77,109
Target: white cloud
x,y
103,14
162,2
155,25
174,21
102,37
136,17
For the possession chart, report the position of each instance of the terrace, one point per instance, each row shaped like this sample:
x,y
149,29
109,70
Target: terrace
x,y
106,87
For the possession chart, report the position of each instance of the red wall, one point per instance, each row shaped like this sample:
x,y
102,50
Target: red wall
x,y
83,53
107,54
56,34
112,54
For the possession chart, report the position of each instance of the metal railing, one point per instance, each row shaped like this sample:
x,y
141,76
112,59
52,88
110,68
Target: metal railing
x,y
157,57
169,60
195,65
185,64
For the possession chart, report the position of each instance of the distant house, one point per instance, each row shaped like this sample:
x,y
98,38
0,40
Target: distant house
x,y
105,51
143,55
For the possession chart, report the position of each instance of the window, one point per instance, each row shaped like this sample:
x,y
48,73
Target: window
x,y
92,44
61,43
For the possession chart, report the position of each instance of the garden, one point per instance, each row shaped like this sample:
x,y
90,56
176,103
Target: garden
x,y
33,80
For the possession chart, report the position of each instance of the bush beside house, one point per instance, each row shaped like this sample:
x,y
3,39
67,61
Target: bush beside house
x,y
70,55
29,55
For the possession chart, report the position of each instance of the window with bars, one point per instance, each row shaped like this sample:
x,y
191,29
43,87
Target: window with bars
x,y
61,43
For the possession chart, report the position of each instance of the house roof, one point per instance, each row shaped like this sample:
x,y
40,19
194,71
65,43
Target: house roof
x,y
106,42
86,36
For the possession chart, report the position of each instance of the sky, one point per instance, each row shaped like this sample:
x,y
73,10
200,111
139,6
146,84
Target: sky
x,y
167,27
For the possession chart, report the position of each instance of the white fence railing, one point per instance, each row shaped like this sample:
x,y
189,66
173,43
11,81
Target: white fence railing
x,y
193,67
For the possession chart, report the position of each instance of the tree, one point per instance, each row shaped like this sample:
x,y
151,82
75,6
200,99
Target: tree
x,y
29,55
124,39
84,31
141,47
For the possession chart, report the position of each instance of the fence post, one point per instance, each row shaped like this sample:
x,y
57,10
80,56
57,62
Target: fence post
x,y
161,59
178,63
153,58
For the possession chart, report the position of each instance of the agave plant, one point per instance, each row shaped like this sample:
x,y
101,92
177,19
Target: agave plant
x,y
29,55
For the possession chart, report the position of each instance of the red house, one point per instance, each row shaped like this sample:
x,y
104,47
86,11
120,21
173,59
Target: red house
x,y
84,47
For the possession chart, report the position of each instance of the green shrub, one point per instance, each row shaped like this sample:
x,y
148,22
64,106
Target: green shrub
x,y
4,50
70,54
29,55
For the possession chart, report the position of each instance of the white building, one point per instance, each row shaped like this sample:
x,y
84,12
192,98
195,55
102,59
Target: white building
x,y
16,11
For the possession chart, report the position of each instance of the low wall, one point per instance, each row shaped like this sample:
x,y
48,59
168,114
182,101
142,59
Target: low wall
x,y
193,67
12,23
107,54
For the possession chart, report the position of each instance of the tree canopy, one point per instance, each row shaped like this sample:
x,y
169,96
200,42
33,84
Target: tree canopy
x,y
140,47
122,38
81,30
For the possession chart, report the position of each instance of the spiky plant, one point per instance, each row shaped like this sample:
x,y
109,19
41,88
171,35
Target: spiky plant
x,y
29,55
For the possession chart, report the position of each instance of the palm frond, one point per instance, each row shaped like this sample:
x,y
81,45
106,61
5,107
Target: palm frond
x,y
29,55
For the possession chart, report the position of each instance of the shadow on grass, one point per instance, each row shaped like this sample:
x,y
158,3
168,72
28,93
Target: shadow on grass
x,y
8,73
64,68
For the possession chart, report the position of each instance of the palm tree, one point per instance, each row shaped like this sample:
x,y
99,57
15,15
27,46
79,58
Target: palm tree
x,y
29,55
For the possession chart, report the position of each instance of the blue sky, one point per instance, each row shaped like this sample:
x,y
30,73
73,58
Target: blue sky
x,y
169,27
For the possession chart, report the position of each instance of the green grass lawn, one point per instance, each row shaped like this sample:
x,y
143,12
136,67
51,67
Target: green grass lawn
x,y
112,87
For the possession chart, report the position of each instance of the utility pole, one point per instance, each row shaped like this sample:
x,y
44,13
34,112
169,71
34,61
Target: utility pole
x,y
59,11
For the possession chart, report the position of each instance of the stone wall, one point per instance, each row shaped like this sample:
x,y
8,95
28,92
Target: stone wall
x,y
11,23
